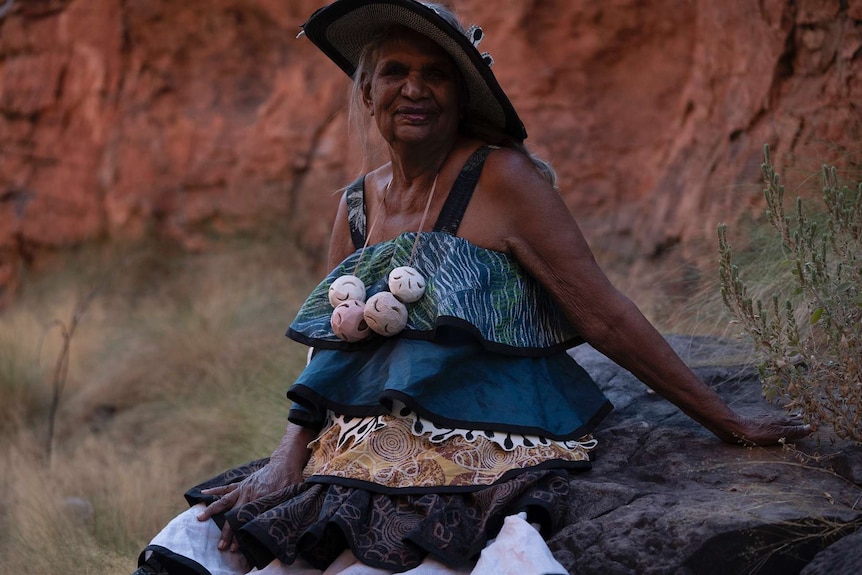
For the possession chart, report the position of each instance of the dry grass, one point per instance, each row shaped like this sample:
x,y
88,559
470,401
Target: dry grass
x,y
808,332
178,370
678,295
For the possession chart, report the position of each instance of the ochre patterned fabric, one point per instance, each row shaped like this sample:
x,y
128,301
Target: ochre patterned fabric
x,y
392,456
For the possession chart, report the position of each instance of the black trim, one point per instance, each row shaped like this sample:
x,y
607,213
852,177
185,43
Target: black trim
x,y
305,418
173,563
443,321
316,403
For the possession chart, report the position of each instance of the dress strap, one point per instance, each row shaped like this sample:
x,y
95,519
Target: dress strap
x,y
451,213
356,211
462,190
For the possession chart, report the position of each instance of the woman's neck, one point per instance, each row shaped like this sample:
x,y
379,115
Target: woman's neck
x,y
413,171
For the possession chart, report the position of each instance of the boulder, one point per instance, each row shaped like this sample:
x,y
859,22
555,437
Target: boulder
x,y
666,496
842,557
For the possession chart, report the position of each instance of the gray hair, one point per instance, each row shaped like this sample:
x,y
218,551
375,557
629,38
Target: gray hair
x,y
469,126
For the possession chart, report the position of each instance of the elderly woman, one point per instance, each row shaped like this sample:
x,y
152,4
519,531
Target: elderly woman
x,y
439,409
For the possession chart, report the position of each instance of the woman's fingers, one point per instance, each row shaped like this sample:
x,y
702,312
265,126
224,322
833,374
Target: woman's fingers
x,y
227,540
770,430
220,490
223,504
235,495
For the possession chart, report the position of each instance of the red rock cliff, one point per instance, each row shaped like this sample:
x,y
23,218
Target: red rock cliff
x,y
120,118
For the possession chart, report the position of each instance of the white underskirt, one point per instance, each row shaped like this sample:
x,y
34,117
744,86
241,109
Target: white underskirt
x,y
517,550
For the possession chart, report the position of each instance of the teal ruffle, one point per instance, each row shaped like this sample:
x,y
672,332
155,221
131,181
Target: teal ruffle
x,y
454,382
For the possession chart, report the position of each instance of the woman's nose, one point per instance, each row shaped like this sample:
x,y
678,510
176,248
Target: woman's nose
x,y
414,86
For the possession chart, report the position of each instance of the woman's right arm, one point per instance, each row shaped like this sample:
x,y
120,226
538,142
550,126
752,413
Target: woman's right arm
x,y
283,470
289,458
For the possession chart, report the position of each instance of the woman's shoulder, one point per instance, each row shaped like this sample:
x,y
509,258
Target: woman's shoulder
x,y
508,167
511,182
376,179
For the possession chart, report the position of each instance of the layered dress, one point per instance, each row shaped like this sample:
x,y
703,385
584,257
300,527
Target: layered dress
x,y
429,439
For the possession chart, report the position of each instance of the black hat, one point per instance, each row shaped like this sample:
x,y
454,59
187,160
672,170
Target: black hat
x,y
343,29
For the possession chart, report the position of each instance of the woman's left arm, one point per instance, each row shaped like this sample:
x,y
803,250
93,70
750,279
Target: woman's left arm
x,y
542,235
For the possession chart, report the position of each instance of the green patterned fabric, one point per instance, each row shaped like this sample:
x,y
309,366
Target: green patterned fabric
x,y
483,291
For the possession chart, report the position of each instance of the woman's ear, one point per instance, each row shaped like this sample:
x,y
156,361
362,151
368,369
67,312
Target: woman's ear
x,y
366,94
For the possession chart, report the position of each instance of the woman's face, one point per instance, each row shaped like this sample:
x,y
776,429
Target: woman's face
x,y
413,90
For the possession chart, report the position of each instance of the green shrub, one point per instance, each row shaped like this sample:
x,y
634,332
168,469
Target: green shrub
x,y
809,336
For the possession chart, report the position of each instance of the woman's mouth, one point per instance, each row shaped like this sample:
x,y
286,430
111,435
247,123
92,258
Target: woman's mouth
x,y
415,115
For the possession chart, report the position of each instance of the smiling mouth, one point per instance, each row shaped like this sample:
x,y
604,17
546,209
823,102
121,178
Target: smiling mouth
x,y
415,115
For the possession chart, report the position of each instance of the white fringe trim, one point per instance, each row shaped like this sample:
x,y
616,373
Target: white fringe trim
x,y
355,430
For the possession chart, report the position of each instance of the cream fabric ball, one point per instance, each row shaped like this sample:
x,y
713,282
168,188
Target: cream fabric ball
x,y
385,314
346,288
406,284
348,321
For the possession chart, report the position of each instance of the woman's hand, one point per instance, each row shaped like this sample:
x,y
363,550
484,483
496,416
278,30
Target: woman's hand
x,y
767,430
265,481
283,470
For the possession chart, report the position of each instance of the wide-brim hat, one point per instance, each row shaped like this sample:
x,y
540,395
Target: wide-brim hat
x,y
343,29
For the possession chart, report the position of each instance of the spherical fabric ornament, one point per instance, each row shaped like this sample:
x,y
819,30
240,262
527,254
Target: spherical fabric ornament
x,y
385,314
346,288
406,284
348,321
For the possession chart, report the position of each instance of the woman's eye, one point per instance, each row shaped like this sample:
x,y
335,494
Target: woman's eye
x,y
393,70
440,75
